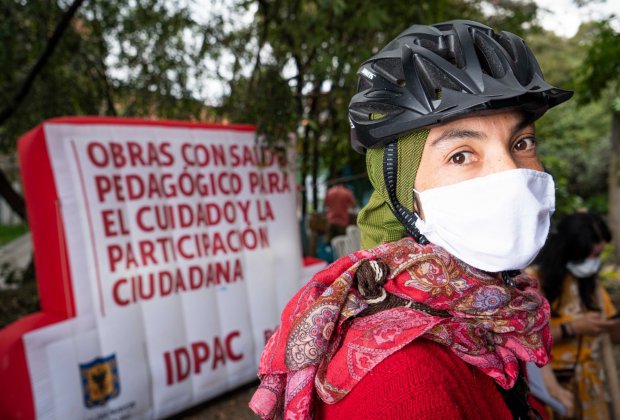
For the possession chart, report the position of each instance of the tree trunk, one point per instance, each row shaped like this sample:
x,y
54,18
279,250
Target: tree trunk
x,y
12,197
614,184
305,146
315,171
314,137
52,42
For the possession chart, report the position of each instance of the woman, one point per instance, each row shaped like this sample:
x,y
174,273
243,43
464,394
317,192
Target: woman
x,y
568,269
432,319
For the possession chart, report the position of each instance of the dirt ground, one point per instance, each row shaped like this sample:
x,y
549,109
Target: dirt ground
x,y
230,406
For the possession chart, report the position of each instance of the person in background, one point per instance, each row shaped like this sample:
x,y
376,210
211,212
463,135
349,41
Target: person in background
x,y
339,201
547,395
433,318
568,268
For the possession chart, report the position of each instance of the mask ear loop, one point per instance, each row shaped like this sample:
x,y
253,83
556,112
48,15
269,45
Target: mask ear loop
x,y
406,217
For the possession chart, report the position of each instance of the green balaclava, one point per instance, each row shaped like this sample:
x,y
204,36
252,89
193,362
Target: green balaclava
x,y
376,221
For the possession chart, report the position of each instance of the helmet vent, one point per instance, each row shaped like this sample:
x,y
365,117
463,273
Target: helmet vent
x,y
443,47
391,67
372,111
454,51
434,79
427,78
364,84
490,63
504,41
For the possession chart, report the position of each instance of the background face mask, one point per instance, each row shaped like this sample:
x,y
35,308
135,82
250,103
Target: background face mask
x,y
494,223
586,268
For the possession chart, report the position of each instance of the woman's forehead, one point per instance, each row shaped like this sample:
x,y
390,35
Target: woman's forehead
x,y
480,126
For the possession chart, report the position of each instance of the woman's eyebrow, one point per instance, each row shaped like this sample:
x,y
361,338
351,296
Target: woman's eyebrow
x,y
462,133
522,124
458,133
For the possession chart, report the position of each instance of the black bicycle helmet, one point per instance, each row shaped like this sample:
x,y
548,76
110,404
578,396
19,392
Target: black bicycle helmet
x,y
433,74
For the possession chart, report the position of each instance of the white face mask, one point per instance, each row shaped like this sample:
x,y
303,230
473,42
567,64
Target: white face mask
x,y
495,223
586,268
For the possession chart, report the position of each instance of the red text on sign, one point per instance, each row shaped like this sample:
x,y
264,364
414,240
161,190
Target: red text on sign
x,y
162,283
183,361
129,153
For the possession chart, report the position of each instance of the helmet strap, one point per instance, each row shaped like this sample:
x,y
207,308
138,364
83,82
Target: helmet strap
x,y
405,216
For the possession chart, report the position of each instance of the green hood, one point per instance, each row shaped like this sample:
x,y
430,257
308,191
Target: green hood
x,y
376,220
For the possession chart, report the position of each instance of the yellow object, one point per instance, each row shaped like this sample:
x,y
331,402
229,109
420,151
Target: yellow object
x,y
589,371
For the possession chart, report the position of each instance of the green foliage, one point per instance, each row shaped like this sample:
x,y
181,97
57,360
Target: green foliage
x,y
600,71
156,46
11,232
270,105
116,58
558,57
599,80
512,15
574,137
574,146
64,86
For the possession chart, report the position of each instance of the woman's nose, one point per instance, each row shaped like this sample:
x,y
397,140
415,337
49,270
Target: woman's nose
x,y
500,160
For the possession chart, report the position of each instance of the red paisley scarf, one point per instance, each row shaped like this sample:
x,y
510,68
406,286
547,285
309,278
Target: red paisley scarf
x,y
322,347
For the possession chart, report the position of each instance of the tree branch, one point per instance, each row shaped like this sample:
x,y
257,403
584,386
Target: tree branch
x,y
262,38
13,198
52,42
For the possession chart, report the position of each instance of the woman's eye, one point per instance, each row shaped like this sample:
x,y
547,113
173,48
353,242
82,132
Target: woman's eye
x,y
460,158
527,143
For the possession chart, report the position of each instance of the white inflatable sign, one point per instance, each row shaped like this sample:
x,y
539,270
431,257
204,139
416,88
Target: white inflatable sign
x,y
176,248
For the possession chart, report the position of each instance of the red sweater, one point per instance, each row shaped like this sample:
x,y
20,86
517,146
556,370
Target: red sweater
x,y
424,380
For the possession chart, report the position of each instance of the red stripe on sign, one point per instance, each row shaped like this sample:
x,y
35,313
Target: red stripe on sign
x,y
139,121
